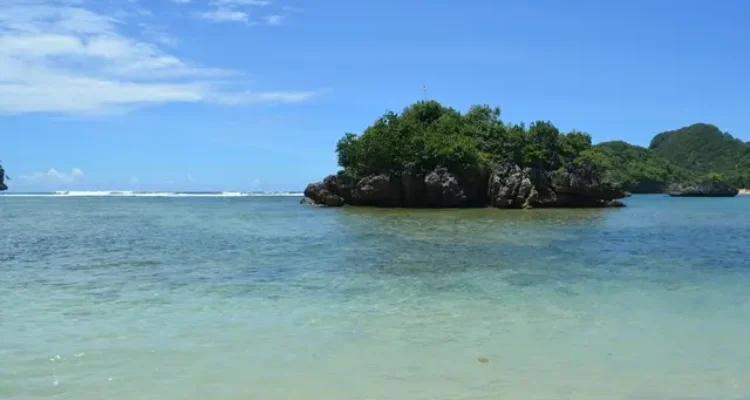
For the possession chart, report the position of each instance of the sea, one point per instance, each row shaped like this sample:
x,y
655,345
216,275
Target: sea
x,y
124,295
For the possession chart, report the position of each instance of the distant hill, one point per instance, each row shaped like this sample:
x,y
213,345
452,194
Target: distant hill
x,y
642,170
704,148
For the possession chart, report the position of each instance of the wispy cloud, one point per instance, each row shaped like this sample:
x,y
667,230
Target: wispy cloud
x,y
273,19
224,15
180,1
243,11
266,97
59,56
133,180
190,178
54,176
257,3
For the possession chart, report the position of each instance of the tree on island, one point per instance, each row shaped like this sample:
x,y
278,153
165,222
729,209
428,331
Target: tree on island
x,y
460,151
427,135
430,155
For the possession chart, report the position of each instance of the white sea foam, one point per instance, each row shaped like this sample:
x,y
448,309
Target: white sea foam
x,y
130,193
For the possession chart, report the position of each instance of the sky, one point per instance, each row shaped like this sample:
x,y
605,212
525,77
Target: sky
x,y
253,94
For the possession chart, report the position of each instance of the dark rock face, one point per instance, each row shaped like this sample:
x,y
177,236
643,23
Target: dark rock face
x,y
341,184
2,180
507,186
443,190
614,204
513,187
510,187
378,190
319,194
581,187
412,188
712,189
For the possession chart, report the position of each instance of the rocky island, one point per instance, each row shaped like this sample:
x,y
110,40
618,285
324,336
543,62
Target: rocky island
x,y
3,186
712,185
680,158
434,156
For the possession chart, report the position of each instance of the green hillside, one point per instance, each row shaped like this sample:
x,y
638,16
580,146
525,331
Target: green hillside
x,y
641,170
702,149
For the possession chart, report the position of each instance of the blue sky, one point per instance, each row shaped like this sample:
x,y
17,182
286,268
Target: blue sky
x,y
254,94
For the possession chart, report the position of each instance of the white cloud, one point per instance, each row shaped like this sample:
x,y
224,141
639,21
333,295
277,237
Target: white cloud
x,y
273,19
223,15
232,10
133,180
54,176
58,56
266,97
180,1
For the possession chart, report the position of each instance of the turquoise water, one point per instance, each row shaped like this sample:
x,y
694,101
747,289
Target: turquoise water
x,y
262,298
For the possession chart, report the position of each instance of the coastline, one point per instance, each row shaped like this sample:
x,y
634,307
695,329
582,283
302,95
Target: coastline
x,y
744,192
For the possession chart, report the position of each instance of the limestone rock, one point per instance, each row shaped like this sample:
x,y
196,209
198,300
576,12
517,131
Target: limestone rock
x,y
709,189
378,190
442,189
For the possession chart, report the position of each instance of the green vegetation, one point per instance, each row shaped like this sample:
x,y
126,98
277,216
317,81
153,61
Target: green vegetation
x,y
427,135
712,177
704,149
641,170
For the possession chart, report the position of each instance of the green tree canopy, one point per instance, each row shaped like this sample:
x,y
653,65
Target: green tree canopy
x,y
704,148
427,135
641,170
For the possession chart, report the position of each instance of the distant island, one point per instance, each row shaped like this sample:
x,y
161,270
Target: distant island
x,y
712,185
431,155
3,186
686,156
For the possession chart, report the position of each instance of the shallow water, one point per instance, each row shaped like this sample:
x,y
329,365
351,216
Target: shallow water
x,y
261,298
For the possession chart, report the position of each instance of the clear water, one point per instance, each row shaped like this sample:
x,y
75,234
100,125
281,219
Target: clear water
x,y
262,298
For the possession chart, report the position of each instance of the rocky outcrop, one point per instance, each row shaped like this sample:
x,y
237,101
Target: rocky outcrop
x,y
578,186
507,186
709,189
319,194
443,190
513,187
378,190
341,184
3,186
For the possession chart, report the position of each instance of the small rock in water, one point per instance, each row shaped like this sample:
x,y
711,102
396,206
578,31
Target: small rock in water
x,y
483,360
